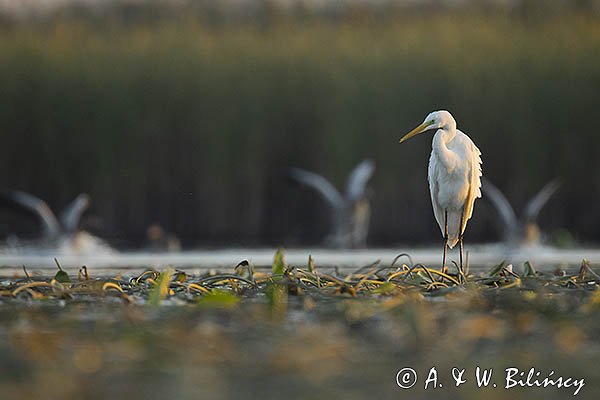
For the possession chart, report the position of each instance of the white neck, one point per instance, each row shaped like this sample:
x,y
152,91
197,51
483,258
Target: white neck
x,y
445,133
439,145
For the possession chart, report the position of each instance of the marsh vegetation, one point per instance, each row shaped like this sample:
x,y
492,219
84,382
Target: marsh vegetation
x,y
193,124
292,331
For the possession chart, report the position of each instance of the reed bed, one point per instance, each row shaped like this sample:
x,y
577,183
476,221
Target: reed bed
x,y
179,121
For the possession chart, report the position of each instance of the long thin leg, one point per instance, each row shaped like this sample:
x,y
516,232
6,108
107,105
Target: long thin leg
x,y
445,240
460,239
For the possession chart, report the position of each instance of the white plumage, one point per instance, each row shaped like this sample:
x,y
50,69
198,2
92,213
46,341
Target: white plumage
x,y
351,210
454,174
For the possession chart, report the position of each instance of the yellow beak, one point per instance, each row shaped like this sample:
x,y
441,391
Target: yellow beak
x,y
419,129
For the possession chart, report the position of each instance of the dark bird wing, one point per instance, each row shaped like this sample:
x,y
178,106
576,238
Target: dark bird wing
x,y
318,183
71,215
505,210
535,205
358,179
38,207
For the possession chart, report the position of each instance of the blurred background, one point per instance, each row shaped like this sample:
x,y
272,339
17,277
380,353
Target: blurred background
x,y
189,113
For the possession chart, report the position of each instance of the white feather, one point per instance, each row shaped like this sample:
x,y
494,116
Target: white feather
x,y
454,176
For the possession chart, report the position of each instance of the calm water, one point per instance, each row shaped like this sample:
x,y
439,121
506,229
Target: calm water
x,y
198,260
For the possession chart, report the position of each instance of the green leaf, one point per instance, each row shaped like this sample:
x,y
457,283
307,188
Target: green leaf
x,y
497,269
62,277
311,264
277,293
180,276
278,267
161,290
528,269
219,298
386,288
417,278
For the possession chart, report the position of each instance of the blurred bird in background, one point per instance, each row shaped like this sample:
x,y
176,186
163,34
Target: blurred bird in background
x,y
351,211
63,233
523,231
158,240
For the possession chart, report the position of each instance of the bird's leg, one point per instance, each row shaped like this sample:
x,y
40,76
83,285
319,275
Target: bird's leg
x,y
460,239
445,240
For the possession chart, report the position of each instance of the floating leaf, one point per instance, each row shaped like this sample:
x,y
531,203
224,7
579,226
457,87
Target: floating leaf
x,y
61,276
219,298
160,291
386,288
180,276
528,269
497,269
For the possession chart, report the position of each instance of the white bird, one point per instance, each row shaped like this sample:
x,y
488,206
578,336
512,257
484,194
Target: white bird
x,y
62,234
454,177
51,225
351,211
523,231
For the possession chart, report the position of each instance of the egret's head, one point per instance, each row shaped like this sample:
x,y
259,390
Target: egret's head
x,y
436,120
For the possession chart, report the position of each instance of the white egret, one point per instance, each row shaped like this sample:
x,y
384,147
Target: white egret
x,y
52,226
454,177
523,231
62,234
351,210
